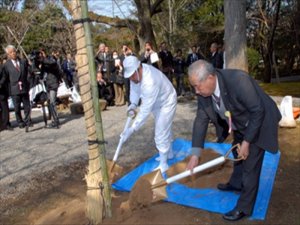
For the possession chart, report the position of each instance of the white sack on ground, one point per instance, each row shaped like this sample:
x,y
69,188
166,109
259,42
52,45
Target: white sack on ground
x,y
286,110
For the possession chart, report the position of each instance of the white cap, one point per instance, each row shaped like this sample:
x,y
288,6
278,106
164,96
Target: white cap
x,y
130,64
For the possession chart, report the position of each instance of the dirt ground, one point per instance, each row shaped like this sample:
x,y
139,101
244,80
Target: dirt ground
x,y
60,198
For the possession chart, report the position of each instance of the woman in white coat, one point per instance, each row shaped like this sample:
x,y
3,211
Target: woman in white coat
x,y
158,96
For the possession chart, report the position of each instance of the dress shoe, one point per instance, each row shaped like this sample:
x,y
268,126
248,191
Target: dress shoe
x,y
53,125
234,215
21,125
9,128
227,187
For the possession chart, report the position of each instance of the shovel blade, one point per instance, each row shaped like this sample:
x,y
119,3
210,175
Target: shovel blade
x,y
114,171
158,185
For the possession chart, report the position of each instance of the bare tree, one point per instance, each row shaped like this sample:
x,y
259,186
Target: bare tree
x,y
142,28
264,17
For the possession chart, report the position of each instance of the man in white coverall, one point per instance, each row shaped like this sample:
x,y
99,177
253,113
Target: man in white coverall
x,y
157,96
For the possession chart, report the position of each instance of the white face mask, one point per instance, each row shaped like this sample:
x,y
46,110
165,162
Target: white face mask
x,y
115,56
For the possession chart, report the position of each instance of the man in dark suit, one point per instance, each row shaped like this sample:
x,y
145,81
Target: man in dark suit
x,y
254,123
15,71
216,58
104,65
166,61
4,93
193,56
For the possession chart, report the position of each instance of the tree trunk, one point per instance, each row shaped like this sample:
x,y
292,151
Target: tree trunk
x,y
235,34
267,68
274,61
145,32
93,177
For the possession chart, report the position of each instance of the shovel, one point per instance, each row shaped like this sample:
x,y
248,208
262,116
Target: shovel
x,y
158,184
130,116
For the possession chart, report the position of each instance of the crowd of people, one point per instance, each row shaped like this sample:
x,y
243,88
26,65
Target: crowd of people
x,y
115,89
19,75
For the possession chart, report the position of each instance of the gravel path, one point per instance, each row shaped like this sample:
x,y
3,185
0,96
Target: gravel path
x,y
26,155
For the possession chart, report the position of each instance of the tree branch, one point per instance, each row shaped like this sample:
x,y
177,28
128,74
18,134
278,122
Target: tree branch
x,y
114,22
155,8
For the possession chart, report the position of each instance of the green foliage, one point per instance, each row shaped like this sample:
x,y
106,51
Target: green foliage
x,y
211,13
203,24
253,61
208,15
49,26
46,26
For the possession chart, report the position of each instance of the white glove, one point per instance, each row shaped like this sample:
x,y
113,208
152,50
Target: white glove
x,y
126,134
131,110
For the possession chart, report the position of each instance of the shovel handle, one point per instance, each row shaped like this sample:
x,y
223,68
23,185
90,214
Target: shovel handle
x,y
128,121
238,146
197,169
204,166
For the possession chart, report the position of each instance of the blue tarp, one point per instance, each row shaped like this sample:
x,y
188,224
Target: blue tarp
x,y
208,199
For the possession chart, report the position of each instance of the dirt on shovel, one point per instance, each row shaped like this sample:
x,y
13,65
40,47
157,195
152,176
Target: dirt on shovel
x,y
114,171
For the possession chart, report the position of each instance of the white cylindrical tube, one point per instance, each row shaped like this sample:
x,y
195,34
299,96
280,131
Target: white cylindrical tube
x,y
127,123
197,169
121,139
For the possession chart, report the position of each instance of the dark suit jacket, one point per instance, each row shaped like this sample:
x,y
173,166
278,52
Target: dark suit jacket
x,y
166,60
13,76
105,62
217,60
253,112
4,91
54,74
192,58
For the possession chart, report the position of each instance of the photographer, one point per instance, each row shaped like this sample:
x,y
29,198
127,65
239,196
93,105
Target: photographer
x,y
150,56
53,77
104,65
126,51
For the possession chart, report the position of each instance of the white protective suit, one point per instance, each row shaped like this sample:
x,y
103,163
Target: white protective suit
x,y
159,97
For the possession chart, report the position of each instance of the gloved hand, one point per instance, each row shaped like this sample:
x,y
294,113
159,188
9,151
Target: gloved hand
x,y
126,134
131,110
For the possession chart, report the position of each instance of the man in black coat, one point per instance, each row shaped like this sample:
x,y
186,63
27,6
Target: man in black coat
x,y
104,66
4,94
166,57
15,72
53,75
193,56
216,58
254,123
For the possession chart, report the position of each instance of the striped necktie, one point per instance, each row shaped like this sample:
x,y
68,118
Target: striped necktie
x,y
217,100
17,66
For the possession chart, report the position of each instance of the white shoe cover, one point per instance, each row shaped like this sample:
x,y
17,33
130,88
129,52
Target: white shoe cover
x,y
170,155
163,164
163,167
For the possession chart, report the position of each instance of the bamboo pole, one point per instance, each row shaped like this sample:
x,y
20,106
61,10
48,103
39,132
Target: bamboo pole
x,y
94,204
97,111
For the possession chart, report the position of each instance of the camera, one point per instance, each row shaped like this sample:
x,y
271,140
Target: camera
x,y
35,55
